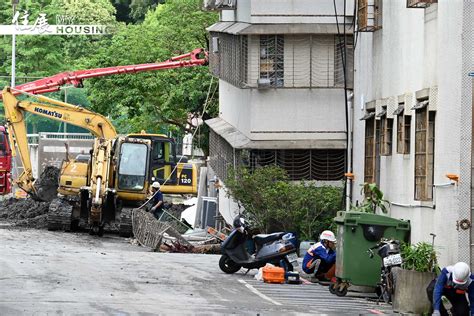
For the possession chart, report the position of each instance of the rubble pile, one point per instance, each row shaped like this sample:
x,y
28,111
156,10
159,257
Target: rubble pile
x,y
25,212
33,212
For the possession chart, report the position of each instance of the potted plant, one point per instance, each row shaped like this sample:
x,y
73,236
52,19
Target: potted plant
x,y
418,270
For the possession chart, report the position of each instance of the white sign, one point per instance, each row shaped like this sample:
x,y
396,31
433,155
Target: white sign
x,y
21,26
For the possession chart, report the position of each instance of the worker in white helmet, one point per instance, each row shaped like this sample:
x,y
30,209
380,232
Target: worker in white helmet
x,y
157,200
453,283
320,259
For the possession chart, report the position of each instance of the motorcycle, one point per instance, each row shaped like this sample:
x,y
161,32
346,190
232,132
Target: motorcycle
x,y
389,251
276,248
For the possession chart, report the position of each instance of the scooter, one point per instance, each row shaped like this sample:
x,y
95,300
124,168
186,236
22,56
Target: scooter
x,y
389,251
275,248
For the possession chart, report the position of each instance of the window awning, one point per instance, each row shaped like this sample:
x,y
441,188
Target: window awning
x,y
241,28
399,110
238,140
368,116
421,105
382,113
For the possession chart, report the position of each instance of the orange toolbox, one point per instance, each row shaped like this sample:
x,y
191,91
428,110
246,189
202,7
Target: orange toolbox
x,y
273,274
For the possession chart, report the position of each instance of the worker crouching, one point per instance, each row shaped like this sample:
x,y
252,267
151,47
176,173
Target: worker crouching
x,y
320,259
453,283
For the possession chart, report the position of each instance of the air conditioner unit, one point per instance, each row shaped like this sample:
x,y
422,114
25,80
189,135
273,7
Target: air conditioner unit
x,y
420,3
209,211
263,83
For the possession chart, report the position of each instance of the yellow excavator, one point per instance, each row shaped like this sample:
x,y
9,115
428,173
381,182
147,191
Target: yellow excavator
x,y
101,189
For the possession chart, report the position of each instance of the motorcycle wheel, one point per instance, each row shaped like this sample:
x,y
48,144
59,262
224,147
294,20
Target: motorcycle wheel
x,y
227,265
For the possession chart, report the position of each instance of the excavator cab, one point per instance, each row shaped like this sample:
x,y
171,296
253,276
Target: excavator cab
x,y
174,176
132,167
5,162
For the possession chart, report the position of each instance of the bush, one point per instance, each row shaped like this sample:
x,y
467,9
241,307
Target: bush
x,y
420,257
272,202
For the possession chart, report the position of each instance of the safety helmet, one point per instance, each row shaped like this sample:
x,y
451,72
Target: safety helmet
x,y
327,235
155,185
461,273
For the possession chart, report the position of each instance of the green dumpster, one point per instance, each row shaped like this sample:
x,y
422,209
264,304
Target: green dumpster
x,y
356,233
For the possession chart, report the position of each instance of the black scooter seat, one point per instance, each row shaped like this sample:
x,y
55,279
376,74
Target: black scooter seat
x,y
262,239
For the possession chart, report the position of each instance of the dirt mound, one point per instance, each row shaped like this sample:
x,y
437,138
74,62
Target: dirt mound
x,y
47,184
25,212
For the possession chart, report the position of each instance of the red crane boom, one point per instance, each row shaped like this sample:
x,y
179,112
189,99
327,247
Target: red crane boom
x,y
198,57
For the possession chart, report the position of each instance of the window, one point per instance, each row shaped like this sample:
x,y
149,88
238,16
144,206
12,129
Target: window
x,y
132,166
403,130
302,164
386,128
369,162
369,15
271,60
424,153
347,55
228,57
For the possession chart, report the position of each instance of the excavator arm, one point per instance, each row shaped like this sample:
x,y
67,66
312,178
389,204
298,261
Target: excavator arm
x,y
97,124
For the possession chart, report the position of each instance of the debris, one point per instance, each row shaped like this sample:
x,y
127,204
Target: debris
x,y
46,185
25,212
214,232
150,232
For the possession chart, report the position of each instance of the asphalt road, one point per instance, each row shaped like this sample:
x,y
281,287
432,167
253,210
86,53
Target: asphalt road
x,y
54,273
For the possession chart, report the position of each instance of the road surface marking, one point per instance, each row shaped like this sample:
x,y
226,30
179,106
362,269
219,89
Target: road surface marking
x,y
254,290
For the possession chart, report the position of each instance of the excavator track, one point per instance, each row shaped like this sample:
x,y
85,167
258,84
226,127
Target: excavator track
x,y
60,215
125,226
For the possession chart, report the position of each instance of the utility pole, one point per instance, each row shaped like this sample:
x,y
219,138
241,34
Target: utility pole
x,y
14,4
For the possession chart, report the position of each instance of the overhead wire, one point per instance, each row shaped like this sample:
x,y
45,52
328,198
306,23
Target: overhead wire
x,y
206,103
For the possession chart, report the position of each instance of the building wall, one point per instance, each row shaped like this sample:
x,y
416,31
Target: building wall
x,y
415,49
284,114
288,11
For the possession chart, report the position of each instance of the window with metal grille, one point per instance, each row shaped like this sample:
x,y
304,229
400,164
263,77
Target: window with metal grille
x,y
228,57
369,163
403,132
302,164
346,55
424,153
271,60
222,155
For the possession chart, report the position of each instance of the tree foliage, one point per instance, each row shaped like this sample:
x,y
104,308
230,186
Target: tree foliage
x,y
149,100
273,203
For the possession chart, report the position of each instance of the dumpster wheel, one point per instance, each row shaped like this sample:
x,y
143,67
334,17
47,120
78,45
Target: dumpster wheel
x,y
338,288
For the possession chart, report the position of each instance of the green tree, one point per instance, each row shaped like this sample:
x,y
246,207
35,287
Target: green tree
x,y
273,203
149,100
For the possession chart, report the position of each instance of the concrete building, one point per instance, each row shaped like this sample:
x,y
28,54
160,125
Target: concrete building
x,y
413,116
281,87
